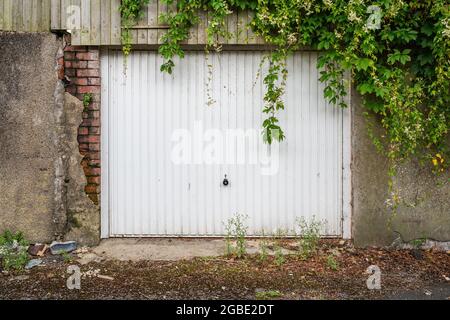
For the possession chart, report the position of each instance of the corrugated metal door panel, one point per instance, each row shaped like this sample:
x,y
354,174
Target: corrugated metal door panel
x,y
150,193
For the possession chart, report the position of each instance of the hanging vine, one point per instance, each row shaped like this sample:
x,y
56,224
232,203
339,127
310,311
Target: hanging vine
x,y
131,11
398,53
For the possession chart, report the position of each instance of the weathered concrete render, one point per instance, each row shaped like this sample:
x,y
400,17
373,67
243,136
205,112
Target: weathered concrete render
x,y
41,179
424,210
27,141
136,249
82,214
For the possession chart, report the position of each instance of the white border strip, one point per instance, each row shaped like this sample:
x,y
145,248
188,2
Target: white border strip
x,y
104,132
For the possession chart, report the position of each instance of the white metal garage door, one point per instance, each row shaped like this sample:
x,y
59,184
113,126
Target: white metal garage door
x,y
166,148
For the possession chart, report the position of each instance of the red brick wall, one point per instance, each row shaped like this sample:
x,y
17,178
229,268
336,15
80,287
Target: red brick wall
x,y
81,70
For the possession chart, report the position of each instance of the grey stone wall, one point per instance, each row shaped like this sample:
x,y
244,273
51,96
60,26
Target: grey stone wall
x,y
41,179
424,210
27,134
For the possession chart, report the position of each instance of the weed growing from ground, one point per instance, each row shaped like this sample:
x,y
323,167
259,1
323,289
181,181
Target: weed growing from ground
x,y
67,257
236,229
13,251
309,236
263,248
267,295
417,243
279,256
332,263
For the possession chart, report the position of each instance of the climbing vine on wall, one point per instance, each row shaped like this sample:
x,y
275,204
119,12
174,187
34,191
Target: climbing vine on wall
x,y
398,53
130,11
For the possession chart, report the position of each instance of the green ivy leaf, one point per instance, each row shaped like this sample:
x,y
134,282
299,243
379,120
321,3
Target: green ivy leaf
x,y
363,64
402,57
365,88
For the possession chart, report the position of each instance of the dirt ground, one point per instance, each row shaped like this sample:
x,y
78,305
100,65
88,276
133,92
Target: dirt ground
x,y
405,274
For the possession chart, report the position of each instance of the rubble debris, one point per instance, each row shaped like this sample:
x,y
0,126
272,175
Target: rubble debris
x,y
88,258
81,250
33,263
19,278
37,249
57,247
90,273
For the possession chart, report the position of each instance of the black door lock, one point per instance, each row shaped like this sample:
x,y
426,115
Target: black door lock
x,y
225,181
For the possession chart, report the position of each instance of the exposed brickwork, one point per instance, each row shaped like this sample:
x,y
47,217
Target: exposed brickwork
x,y
80,69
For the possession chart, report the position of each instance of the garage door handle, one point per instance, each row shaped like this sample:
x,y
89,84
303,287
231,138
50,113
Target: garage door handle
x,y
225,181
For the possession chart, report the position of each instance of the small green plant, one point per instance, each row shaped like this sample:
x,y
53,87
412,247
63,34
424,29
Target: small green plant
x,y
279,256
87,99
417,243
263,252
309,236
263,248
267,295
13,250
236,231
277,247
67,257
9,237
332,263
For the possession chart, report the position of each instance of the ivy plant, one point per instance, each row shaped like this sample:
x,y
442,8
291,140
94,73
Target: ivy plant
x,y
130,11
396,51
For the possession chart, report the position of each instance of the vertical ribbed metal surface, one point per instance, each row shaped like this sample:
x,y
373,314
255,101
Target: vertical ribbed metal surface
x,y
149,194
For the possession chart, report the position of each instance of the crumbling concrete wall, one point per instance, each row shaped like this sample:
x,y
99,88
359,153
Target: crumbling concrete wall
x,y
41,179
424,210
82,214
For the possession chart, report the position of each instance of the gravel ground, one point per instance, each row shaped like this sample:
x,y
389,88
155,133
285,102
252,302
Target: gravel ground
x,y
406,274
